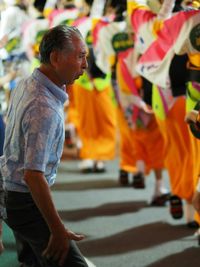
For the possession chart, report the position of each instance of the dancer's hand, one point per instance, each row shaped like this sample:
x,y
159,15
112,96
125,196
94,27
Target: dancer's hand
x,y
147,109
191,117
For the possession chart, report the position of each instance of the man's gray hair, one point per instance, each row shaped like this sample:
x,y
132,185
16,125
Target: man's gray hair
x,y
57,39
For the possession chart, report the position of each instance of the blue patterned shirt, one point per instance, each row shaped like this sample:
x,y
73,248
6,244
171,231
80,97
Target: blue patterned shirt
x,y
34,131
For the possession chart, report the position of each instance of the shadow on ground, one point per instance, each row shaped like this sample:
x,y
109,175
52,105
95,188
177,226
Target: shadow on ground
x,y
186,258
86,185
111,209
142,237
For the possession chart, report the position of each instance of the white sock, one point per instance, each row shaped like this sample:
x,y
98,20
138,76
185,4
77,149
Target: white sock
x,y
189,212
159,188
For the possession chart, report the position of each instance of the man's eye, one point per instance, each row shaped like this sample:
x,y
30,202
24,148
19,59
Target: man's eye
x,y
82,56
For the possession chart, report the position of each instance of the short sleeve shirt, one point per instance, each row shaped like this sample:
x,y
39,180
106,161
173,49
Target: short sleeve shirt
x,y
34,131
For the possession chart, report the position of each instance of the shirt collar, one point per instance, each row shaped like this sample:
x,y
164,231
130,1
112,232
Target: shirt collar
x,y
58,92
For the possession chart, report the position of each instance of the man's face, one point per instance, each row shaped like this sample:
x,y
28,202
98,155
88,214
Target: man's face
x,y
72,64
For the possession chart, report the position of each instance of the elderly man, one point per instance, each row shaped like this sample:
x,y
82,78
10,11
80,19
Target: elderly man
x,y
32,150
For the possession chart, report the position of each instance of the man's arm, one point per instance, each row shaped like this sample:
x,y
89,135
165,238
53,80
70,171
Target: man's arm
x,y
58,245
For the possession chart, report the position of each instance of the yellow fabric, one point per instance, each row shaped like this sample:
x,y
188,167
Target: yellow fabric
x,y
157,104
126,145
178,151
85,82
149,146
12,44
194,59
96,126
97,83
112,60
139,144
71,110
196,166
132,5
47,12
193,96
157,26
35,63
121,81
100,84
196,4
195,155
94,22
138,82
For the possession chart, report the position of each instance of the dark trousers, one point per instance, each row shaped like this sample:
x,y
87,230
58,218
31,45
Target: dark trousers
x,y
2,134
32,233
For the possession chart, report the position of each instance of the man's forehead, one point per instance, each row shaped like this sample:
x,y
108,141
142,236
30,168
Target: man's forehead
x,y
81,44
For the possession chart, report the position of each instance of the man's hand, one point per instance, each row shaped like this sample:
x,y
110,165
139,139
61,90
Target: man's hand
x,y
191,117
196,201
58,245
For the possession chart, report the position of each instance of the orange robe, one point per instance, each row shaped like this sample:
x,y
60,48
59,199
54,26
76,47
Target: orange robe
x,y
178,160
141,143
95,119
71,109
126,145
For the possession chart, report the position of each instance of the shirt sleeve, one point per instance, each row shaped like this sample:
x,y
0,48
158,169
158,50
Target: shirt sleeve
x,y
97,8
40,127
166,9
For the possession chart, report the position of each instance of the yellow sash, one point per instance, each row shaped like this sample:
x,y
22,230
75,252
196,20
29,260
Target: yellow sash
x,y
159,104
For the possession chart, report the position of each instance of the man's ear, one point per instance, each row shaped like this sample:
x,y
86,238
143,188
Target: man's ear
x,y
54,58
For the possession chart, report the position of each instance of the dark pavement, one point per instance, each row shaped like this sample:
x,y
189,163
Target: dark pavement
x,y
121,229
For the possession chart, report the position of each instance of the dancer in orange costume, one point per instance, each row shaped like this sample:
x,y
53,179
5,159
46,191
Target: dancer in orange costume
x,y
127,154
147,142
183,183
134,154
105,56
96,121
178,146
95,110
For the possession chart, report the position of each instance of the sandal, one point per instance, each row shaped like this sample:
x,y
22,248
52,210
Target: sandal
x,y
176,207
160,201
138,181
193,225
123,177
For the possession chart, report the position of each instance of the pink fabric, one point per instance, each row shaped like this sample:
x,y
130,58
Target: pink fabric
x,y
139,17
167,36
128,79
79,21
154,64
97,28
